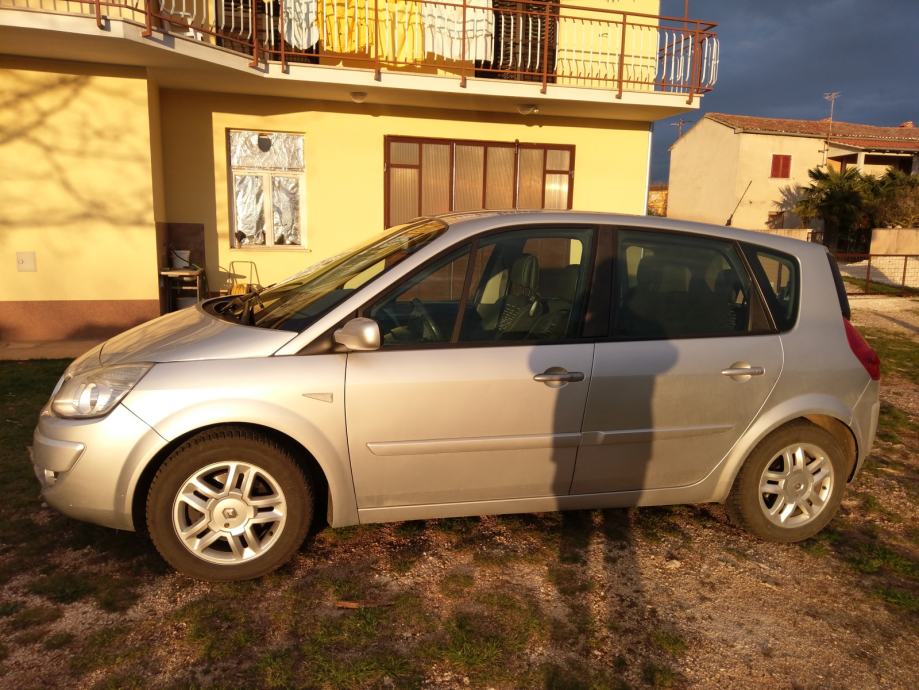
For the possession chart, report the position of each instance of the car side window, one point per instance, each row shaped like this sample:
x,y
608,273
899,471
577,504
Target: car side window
x,y
423,309
678,286
778,276
528,285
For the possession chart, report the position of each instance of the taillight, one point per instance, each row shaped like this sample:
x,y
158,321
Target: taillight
x,y
865,353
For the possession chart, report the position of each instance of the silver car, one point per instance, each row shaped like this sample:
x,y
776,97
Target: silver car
x,y
474,364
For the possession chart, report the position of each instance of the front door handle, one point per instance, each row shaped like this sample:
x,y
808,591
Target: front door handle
x,y
743,371
556,377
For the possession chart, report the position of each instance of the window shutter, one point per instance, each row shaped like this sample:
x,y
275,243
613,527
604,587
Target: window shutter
x,y
781,166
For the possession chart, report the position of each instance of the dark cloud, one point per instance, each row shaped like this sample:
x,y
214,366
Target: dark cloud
x,y
779,57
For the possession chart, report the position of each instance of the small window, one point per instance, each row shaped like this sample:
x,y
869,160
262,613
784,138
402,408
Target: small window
x,y
777,274
776,220
266,173
781,166
672,286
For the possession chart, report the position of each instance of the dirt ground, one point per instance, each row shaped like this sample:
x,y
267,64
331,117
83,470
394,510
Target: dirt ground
x,y
657,597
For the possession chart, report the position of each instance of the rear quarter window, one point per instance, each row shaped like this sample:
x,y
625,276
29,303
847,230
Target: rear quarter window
x,y
779,277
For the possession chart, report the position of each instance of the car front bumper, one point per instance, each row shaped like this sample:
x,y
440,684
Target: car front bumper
x,y
88,468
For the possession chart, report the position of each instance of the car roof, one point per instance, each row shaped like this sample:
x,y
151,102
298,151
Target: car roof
x,y
468,224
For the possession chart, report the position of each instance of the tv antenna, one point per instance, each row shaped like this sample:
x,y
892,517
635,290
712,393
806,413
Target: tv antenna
x,y
830,96
680,125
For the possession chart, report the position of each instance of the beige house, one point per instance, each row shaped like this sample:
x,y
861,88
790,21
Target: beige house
x,y
262,137
746,170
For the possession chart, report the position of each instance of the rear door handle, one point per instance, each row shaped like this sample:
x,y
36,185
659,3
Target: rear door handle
x,y
556,377
743,371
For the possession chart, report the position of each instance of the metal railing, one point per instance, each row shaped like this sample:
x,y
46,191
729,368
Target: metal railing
x,y
535,40
880,274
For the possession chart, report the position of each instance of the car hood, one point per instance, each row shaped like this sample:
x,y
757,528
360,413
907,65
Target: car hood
x,y
191,334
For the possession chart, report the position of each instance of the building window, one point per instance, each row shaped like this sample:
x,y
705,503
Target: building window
x,y
266,178
430,176
776,220
781,166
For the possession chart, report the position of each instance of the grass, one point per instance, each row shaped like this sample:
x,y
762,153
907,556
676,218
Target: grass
x,y
658,675
63,587
35,615
899,355
893,423
219,630
878,288
900,599
669,641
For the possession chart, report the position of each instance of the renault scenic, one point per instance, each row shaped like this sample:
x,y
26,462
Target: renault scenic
x,y
474,364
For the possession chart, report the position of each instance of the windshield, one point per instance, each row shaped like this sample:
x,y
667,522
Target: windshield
x,y
296,302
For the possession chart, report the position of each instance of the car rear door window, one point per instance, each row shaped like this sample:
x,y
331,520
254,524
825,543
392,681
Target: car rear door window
x,y
679,286
779,279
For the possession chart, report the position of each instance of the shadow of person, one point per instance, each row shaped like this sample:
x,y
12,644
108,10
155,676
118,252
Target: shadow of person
x,y
597,574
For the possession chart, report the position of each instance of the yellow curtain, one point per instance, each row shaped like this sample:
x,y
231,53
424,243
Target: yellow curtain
x,y
348,28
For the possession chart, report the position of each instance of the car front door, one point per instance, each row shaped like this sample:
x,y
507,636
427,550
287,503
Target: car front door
x,y
478,390
691,359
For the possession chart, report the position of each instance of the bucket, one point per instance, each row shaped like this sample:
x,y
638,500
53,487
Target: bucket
x,y
180,258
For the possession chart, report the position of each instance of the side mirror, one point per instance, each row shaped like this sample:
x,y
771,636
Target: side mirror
x,y
359,335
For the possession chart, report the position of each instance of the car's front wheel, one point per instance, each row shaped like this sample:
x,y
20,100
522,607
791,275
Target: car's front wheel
x,y
229,504
791,485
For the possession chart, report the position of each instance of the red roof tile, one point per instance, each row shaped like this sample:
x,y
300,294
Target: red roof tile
x,y
878,144
843,133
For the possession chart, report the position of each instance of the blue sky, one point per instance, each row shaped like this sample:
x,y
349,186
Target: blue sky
x,y
778,58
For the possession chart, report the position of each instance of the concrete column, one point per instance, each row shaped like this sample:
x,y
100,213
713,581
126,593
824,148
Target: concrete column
x,y
860,161
915,170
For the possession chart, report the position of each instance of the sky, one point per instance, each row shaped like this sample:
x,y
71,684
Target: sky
x,y
778,58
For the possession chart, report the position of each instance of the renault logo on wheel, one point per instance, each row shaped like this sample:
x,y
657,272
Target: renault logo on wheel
x,y
229,513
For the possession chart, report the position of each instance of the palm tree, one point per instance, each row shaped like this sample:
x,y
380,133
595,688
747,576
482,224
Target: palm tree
x,y
894,200
838,198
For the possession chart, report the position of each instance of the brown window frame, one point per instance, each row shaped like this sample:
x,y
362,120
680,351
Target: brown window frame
x,y
781,166
485,144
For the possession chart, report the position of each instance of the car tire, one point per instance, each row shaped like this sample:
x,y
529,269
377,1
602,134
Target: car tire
x,y
241,500
797,468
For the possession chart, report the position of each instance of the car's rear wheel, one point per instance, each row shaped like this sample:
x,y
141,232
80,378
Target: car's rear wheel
x,y
229,504
791,485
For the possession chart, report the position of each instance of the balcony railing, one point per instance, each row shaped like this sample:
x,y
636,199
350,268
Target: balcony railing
x,y
534,41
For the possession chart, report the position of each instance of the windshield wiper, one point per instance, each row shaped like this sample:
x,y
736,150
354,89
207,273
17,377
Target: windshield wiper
x,y
247,315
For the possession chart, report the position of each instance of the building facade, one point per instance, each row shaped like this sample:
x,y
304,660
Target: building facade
x,y
263,137
747,170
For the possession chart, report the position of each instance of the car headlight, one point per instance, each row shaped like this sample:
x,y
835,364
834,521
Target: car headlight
x,y
95,392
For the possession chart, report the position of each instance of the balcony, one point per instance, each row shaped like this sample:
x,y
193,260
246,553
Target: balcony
x,y
480,51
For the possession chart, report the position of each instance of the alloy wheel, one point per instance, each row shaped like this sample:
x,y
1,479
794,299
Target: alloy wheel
x,y
229,512
796,485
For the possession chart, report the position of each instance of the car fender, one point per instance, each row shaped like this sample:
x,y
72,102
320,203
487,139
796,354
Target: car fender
x,y
327,445
768,421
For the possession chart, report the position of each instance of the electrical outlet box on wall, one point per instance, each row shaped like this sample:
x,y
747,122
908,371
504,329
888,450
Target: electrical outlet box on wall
x,y
25,262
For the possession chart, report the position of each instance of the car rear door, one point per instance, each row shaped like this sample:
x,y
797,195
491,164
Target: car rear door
x,y
691,358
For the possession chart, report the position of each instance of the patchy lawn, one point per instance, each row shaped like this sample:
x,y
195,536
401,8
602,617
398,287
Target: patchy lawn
x,y
670,597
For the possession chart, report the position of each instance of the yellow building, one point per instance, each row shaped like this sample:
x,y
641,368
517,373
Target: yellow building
x,y
263,137
748,169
